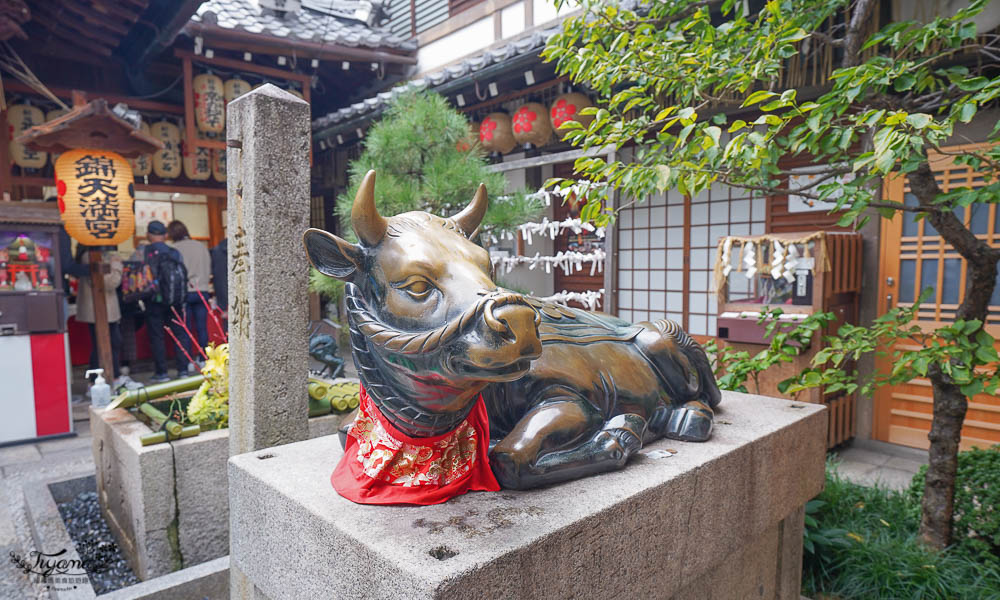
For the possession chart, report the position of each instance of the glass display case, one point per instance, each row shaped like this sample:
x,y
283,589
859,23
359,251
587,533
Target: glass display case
x,y
30,277
34,359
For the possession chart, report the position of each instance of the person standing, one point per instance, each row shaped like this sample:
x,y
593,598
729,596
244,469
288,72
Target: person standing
x,y
161,259
199,268
85,312
220,278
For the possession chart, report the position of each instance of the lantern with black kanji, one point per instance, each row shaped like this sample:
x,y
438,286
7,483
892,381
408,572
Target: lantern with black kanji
x,y
197,162
96,196
209,103
531,125
219,164
567,108
234,88
20,118
167,162
495,133
142,165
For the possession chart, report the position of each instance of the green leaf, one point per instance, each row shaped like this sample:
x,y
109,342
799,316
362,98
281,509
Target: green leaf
x,y
918,120
967,111
904,82
758,96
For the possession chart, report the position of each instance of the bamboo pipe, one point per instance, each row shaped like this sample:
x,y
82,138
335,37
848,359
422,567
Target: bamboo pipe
x,y
131,398
173,427
159,437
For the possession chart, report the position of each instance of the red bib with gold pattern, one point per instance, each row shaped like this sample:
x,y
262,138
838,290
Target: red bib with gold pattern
x,y
382,465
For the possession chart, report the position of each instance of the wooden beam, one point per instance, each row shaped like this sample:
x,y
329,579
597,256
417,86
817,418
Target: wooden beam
x,y
215,36
59,15
515,94
240,65
88,16
182,189
189,135
67,94
56,31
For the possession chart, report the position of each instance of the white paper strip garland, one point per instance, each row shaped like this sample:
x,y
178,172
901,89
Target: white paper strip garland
x,y
589,298
567,261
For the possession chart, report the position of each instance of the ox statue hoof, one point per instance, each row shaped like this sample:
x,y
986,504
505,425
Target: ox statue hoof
x,y
690,423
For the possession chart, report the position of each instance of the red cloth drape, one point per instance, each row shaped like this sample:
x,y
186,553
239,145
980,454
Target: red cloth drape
x,y
381,465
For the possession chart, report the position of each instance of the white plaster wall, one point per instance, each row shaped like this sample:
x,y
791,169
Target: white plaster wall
x,y
453,46
512,20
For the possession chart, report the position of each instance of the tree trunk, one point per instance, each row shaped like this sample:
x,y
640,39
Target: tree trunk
x,y
949,403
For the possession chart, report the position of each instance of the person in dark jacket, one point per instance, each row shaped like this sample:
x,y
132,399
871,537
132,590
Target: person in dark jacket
x,y
220,278
159,315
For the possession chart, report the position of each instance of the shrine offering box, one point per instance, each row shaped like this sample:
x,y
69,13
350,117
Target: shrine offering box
x,y
802,274
34,361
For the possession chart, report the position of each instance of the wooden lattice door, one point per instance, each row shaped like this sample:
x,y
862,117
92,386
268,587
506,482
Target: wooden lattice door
x,y
914,257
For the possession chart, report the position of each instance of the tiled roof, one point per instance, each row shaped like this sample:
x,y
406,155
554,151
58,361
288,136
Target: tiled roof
x,y
304,24
530,44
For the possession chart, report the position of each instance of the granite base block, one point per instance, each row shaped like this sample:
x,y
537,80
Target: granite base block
x,y
722,519
149,493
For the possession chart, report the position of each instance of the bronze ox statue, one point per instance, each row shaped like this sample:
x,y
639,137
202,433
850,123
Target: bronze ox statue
x,y
568,392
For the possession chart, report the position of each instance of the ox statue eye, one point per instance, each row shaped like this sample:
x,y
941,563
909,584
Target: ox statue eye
x,y
417,288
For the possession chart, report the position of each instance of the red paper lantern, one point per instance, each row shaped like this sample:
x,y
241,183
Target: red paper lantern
x,y
531,125
567,108
496,133
466,143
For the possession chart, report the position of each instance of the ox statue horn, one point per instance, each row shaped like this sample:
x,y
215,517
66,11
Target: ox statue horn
x,y
368,224
472,215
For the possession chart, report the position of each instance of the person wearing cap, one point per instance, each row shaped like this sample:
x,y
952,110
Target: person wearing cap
x,y
158,315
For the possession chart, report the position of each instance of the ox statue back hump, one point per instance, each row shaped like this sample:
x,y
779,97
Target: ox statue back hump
x,y
568,392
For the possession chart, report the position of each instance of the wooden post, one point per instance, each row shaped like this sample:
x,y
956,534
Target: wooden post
x,y
101,330
6,184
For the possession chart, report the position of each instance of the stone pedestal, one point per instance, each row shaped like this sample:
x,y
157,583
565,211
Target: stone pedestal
x,y
167,504
721,519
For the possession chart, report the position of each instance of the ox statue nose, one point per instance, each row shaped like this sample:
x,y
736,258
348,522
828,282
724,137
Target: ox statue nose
x,y
517,324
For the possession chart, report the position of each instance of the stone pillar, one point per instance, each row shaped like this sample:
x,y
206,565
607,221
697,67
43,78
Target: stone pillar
x,y
267,134
268,179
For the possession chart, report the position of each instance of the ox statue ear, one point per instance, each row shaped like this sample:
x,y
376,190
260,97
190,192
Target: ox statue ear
x,y
368,224
472,215
331,255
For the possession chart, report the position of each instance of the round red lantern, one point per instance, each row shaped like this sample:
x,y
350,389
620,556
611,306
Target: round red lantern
x,y
466,143
496,133
531,125
567,108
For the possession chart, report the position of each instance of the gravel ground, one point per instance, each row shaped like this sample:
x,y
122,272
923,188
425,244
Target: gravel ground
x,y
104,562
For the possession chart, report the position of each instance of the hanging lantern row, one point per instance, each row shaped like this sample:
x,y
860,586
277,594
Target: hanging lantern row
x,y
96,194
532,123
211,95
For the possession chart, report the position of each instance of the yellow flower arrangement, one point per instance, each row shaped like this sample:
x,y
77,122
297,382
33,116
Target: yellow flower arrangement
x,y
210,405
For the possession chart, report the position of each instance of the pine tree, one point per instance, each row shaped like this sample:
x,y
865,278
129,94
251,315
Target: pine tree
x,y
418,150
